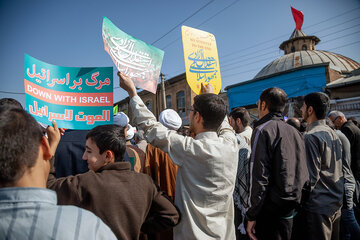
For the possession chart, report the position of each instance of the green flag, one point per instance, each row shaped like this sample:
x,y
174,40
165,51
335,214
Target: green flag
x,y
116,109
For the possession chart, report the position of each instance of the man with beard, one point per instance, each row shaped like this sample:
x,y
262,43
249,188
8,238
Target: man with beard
x,y
324,158
240,121
207,164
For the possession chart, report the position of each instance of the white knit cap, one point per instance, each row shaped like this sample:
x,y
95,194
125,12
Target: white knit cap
x,y
130,132
170,119
121,119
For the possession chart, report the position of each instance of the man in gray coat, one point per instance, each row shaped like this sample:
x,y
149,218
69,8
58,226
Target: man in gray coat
x,y
324,158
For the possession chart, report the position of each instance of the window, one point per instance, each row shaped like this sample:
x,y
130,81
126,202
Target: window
x,y
168,101
292,49
180,103
149,105
304,47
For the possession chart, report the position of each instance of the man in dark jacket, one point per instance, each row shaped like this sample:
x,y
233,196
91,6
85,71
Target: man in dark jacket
x,y
128,202
278,170
68,153
352,132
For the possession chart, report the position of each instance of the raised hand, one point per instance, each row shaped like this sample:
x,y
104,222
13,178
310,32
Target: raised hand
x,y
54,135
207,89
127,84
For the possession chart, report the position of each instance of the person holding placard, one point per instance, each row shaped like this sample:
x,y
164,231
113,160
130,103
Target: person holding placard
x,y
207,164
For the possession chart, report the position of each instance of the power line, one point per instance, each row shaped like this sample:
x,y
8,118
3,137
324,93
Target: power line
x,y
225,69
247,64
340,37
335,25
225,76
339,31
344,45
217,13
248,54
341,14
321,43
261,43
267,41
225,8
247,59
251,70
260,60
11,92
172,29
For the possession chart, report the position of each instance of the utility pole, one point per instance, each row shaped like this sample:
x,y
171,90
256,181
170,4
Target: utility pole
x,y
163,92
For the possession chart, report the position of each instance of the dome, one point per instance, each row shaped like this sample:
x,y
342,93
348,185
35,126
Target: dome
x,y
306,58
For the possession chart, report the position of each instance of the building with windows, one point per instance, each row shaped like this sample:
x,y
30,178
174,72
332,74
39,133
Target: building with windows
x,y
178,96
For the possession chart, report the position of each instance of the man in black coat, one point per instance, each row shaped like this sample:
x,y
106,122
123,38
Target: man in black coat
x,y
69,153
352,132
278,170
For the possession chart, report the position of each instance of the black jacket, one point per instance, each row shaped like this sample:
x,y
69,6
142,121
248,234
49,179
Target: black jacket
x,y
68,155
277,165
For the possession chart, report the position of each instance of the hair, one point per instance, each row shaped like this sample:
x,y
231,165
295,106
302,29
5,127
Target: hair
x,y
109,137
330,123
10,102
320,102
294,122
275,99
242,113
336,114
20,138
212,108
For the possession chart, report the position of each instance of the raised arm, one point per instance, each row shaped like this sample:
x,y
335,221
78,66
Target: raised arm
x,y
155,132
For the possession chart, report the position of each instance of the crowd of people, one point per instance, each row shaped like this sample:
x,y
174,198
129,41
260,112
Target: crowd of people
x,y
227,177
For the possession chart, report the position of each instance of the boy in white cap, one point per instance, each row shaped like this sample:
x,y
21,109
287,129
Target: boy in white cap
x,y
121,119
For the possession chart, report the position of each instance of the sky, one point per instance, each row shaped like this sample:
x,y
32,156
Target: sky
x,y
248,33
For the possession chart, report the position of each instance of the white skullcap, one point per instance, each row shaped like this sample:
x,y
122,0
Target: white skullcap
x,y
121,119
130,132
170,119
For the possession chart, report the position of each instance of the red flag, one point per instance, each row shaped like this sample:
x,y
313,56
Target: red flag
x,y
298,17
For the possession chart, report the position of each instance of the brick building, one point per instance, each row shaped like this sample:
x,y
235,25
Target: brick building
x,y
178,96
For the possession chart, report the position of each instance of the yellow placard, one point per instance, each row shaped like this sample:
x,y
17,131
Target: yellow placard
x,y
201,59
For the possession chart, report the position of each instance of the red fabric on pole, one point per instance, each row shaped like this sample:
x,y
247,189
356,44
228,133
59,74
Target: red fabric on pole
x,y
298,17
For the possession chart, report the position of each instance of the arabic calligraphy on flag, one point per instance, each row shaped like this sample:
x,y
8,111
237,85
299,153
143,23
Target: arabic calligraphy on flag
x,y
134,58
201,59
75,97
